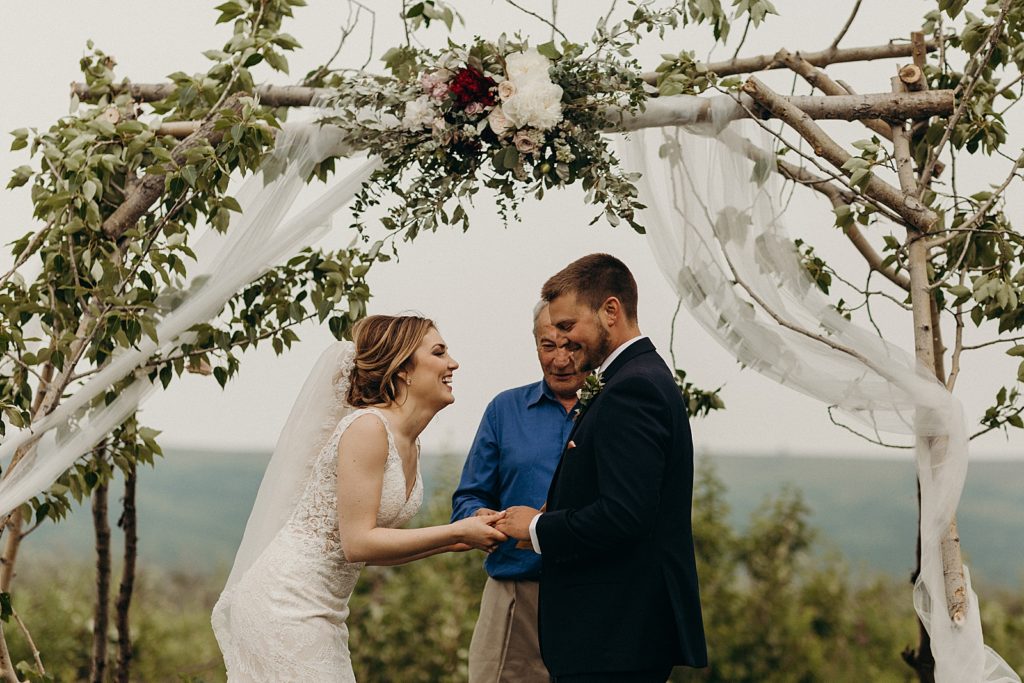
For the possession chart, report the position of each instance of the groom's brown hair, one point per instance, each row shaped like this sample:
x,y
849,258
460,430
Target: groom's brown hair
x,y
593,279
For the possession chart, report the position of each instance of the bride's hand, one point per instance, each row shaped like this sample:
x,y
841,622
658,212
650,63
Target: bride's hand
x,y
478,531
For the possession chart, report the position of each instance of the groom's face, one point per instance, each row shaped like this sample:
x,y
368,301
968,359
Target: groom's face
x,y
582,326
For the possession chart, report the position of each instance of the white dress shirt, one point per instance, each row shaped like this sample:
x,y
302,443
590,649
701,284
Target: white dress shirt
x,y
604,366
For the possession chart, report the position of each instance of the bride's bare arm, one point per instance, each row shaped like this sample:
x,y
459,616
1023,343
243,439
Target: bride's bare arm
x,y
362,456
453,548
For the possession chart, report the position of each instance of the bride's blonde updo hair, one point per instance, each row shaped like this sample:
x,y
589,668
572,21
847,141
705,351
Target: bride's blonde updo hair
x,y
384,346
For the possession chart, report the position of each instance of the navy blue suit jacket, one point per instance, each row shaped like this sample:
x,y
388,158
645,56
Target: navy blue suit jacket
x,y
618,589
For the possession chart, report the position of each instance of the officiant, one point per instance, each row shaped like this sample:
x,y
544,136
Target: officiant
x,y
511,462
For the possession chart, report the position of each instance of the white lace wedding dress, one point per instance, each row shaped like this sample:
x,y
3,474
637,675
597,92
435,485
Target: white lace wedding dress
x,y
286,616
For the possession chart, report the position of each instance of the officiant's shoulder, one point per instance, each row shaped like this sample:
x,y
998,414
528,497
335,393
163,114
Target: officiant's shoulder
x,y
517,396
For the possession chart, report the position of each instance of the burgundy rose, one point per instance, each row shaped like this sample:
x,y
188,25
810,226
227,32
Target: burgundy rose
x,y
469,85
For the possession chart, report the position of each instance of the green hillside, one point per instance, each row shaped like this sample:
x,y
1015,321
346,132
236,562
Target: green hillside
x,y
194,505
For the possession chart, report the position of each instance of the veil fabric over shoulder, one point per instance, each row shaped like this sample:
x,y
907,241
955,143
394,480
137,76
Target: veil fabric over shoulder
x,y
317,410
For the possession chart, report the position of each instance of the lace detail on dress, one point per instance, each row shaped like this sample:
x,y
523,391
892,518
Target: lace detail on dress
x,y
316,516
287,614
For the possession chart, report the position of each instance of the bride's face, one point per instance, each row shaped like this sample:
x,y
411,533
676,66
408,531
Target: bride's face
x,y
431,373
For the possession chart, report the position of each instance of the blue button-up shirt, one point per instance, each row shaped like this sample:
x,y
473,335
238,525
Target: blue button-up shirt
x,y
513,458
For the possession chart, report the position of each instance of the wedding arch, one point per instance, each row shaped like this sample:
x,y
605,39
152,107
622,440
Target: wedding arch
x,y
698,174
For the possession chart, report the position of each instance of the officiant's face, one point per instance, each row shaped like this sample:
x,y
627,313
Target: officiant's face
x,y
555,354
588,338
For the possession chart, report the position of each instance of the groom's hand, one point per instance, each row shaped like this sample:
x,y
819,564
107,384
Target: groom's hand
x,y
516,522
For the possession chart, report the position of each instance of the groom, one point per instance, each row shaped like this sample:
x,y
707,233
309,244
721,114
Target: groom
x,y
618,592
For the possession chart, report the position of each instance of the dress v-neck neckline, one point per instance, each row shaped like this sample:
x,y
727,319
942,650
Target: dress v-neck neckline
x,y
407,489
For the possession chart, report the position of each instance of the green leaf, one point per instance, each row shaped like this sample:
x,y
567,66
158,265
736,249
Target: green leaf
x,y
960,291
1016,351
228,11
549,50
190,175
166,375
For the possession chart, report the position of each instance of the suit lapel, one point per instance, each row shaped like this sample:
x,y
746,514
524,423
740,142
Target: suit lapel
x,y
637,348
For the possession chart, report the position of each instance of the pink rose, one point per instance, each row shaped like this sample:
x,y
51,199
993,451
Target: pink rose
x,y
525,141
474,108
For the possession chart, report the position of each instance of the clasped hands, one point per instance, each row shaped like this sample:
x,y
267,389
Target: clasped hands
x,y
513,522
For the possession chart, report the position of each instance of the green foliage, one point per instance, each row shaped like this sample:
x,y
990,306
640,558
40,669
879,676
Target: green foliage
x,y
103,288
778,606
699,402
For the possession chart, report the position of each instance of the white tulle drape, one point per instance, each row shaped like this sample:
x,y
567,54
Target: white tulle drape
x,y
263,235
716,228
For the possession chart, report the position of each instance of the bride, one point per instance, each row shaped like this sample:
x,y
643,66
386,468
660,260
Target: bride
x,y
344,476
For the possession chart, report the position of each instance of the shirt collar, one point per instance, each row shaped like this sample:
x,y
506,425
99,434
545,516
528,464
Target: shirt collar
x,y
618,351
537,392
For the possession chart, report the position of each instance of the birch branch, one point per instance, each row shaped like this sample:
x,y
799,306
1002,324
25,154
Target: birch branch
x,y
839,197
681,110
820,80
924,315
146,192
846,26
910,209
269,95
746,65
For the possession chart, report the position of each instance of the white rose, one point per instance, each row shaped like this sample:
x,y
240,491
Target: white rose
x,y
522,67
498,122
418,114
537,104
506,89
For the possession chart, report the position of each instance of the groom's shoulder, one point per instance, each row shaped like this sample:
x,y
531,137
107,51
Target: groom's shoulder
x,y
648,370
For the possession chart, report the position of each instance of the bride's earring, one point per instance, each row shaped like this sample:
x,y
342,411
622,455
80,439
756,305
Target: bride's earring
x,y
408,381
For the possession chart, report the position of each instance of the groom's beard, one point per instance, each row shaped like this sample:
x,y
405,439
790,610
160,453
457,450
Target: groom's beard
x,y
593,357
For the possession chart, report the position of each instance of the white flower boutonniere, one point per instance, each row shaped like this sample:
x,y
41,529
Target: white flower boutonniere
x,y
592,386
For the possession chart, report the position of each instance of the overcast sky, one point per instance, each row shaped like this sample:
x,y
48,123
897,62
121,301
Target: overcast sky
x,y
481,286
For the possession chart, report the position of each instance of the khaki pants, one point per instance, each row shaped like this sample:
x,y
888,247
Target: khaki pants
x,y
505,647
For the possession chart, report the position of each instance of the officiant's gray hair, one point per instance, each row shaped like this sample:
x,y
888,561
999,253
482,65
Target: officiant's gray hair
x,y
537,310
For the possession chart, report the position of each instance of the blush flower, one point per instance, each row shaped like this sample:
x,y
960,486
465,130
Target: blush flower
x,y
527,141
498,122
419,113
435,83
506,89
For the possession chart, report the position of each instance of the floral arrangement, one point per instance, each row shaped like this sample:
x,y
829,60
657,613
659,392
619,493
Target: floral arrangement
x,y
504,115
592,386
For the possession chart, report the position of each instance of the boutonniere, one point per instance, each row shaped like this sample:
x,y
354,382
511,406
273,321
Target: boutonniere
x,y
586,394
